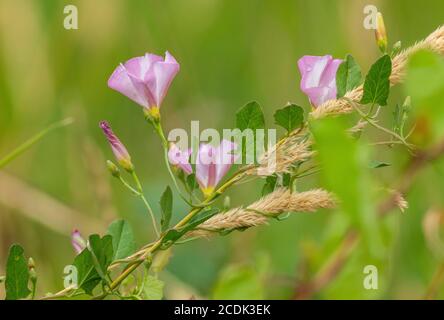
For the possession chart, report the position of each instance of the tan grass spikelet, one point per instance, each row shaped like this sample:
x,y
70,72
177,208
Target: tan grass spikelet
x,y
280,157
259,212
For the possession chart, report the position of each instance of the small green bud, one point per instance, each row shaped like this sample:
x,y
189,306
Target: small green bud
x,y
2,279
407,104
113,169
396,47
31,267
31,263
227,202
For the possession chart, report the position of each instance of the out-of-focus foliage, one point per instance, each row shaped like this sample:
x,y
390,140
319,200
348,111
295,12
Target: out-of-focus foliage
x,y
425,84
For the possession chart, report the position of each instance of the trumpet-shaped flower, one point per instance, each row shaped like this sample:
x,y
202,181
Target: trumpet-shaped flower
x,y
77,241
180,158
212,163
117,147
318,78
145,80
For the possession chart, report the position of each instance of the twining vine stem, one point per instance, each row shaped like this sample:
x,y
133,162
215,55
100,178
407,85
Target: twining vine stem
x,y
134,265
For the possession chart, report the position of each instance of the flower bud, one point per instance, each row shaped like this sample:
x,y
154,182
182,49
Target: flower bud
x,y
407,104
77,241
119,150
31,267
227,203
32,273
31,263
113,169
380,33
397,47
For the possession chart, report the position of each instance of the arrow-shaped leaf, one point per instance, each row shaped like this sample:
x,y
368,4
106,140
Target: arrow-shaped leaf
x,y
166,205
348,76
17,274
377,82
123,239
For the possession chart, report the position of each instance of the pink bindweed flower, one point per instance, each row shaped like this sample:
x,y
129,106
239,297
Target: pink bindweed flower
x,y
180,158
117,147
212,163
318,78
145,80
77,241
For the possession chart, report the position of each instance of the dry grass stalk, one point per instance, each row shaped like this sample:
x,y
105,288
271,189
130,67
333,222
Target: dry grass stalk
x,y
434,42
280,201
38,206
280,157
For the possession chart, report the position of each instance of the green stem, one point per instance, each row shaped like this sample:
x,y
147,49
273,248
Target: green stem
x,y
128,186
34,287
158,127
374,124
33,140
156,245
145,201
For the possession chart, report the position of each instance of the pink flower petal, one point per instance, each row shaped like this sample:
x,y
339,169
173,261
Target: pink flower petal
x,y
164,73
146,79
121,82
180,158
318,77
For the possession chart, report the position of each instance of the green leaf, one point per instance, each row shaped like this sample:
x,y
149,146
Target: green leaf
x,y
166,205
17,275
286,179
175,234
290,117
375,164
153,288
345,173
425,84
270,185
250,116
377,83
102,253
191,182
348,76
123,239
87,276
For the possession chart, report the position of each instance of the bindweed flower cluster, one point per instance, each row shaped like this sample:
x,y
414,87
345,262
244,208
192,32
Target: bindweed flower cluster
x,y
324,79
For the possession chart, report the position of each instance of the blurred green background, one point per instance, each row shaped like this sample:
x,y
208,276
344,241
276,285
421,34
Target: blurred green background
x,y
230,52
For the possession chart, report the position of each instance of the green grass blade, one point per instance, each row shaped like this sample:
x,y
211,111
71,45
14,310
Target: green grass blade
x,y
33,140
